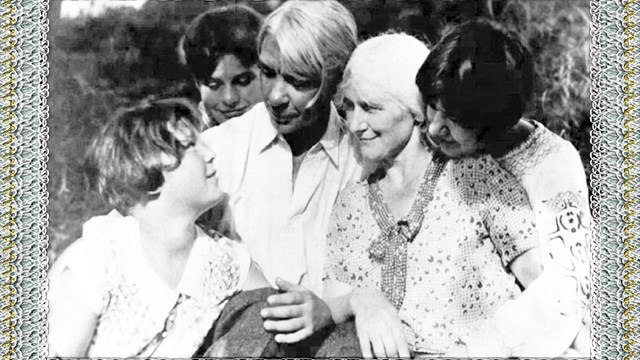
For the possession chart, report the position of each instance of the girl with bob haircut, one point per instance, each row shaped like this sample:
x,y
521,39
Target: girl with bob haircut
x,y
219,49
475,84
144,280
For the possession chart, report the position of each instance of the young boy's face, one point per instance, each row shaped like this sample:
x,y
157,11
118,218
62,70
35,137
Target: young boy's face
x,y
193,184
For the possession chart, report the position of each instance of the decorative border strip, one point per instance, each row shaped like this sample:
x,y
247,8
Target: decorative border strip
x,y
608,201
8,185
628,185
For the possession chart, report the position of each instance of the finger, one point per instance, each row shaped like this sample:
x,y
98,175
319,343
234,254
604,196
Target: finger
x,y
287,286
389,342
401,344
282,312
378,346
293,337
284,326
288,298
365,344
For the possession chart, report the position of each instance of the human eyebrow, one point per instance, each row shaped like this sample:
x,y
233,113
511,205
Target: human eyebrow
x,y
301,82
266,69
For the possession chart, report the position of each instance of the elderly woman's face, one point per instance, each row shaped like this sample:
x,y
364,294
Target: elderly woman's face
x,y
286,95
382,129
231,90
451,138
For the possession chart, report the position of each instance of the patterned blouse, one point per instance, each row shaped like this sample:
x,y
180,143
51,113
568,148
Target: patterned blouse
x,y
550,170
478,221
138,314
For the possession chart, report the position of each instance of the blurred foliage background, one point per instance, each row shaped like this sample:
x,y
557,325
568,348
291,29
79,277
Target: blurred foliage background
x,y
98,64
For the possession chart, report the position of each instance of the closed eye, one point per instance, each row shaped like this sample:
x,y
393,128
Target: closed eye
x,y
244,79
369,107
266,70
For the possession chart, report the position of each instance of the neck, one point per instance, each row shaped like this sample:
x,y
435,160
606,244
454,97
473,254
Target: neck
x,y
512,138
164,230
303,140
410,163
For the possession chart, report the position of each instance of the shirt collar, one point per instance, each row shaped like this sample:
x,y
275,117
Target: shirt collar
x,y
267,135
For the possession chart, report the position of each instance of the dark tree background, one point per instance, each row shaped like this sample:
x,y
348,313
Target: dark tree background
x,y
98,64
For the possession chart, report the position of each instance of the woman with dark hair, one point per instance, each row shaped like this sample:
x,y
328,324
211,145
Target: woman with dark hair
x,y
475,84
219,49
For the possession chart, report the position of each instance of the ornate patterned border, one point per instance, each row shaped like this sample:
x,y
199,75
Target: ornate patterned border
x,y
23,178
8,268
629,187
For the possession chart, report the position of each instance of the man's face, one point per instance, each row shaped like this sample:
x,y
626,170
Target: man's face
x,y
287,96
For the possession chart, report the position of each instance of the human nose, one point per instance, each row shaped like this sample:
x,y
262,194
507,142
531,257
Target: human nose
x,y
357,125
438,125
208,155
230,97
278,95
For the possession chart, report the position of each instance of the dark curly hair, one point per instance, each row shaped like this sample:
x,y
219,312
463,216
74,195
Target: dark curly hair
x,y
225,30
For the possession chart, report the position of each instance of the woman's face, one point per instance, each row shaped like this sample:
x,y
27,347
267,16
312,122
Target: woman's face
x,y
382,128
231,90
193,184
451,138
286,95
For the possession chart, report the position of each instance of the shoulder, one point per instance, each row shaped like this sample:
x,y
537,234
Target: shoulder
x,y
543,151
236,129
101,236
228,263
482,179
354,193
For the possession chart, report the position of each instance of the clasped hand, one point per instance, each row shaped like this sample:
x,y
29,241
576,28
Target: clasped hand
x,y
378,325
295,314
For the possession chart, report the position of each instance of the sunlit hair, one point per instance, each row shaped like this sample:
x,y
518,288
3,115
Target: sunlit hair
x,y
127,157
386,66
315,39
481,75
227,30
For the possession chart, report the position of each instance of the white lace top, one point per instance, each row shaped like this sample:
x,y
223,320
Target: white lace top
x,y
138,315
550,170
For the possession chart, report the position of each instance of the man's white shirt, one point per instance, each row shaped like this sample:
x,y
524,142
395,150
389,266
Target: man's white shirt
x,y
283,225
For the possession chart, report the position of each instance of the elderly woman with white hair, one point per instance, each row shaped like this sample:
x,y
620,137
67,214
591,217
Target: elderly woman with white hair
x,y
423,249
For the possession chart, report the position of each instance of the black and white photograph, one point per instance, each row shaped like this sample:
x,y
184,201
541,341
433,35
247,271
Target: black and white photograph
x,y
319,179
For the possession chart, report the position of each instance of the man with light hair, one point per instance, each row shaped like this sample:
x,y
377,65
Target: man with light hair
x,y
284,162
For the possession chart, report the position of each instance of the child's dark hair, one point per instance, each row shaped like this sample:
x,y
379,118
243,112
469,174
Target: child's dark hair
x,y
126,158
481,75
225,30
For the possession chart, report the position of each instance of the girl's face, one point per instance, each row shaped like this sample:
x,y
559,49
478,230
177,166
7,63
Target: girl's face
x,y
382,129
451,138
231,90
193,184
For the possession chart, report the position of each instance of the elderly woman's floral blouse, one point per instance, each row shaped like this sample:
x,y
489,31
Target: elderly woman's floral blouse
x,y
478,222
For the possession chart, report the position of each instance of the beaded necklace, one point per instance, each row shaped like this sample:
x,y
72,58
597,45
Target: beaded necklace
x,y
390,247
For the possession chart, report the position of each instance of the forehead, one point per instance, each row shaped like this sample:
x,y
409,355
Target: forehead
x,y
361,87
229,66
270,52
